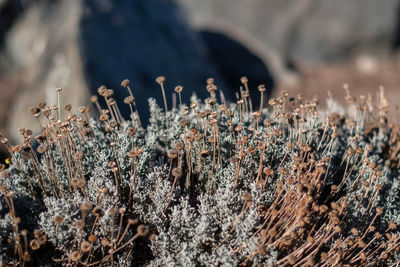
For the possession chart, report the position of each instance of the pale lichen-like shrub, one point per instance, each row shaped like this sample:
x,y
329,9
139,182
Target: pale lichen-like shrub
x,y
208,184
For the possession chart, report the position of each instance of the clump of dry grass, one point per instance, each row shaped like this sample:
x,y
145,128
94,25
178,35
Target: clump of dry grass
x,y
206,184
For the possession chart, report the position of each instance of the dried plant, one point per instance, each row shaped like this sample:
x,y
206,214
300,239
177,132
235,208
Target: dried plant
x,y
209,184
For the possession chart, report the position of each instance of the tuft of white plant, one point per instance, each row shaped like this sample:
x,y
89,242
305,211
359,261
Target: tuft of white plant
x,y
208,184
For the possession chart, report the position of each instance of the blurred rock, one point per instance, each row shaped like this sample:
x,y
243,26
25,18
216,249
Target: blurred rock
x,y
304,31
43,48
80,45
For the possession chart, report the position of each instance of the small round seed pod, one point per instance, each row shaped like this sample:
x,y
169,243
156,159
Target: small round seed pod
x,y
142,230
86,246
79,225
261,88
92,238
125,83
85,206
34,244
177,172
75,256
104,242
129,100
160,79
172,154
179,89
58,219
94,98
180,146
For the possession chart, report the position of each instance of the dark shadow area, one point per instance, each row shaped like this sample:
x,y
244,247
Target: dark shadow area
x,y
140,40
233,61
9,12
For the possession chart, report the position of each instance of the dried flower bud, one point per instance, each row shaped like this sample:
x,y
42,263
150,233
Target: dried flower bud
x,y
177,172
58,219
86,246
85,206
142,230
92,238
172,154
75,256
129,100
262,88
160,79
178,89
125,83
94,98
34,244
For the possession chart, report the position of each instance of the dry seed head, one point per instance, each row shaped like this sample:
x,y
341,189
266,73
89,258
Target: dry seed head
x,y
79,225
92,238
97,211
291,259
247,197
172,154
160,79
24,232
361,243
105,241
272,232
85,206
378,235
112,102
122,210
379,210
211,88
101,90
179,89
34,110
41,104
41,149
125,83
86,246
239,128
392,226
132,221
38,233
78,155
129,100
177,172
42,239
74,182
75,256
68,107
34,244
261,88
179,146
244,80
94,98
142,230
58,219
108,93
82,109
131,131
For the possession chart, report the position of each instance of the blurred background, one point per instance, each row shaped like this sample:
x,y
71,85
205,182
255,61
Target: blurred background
x,y
303,46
